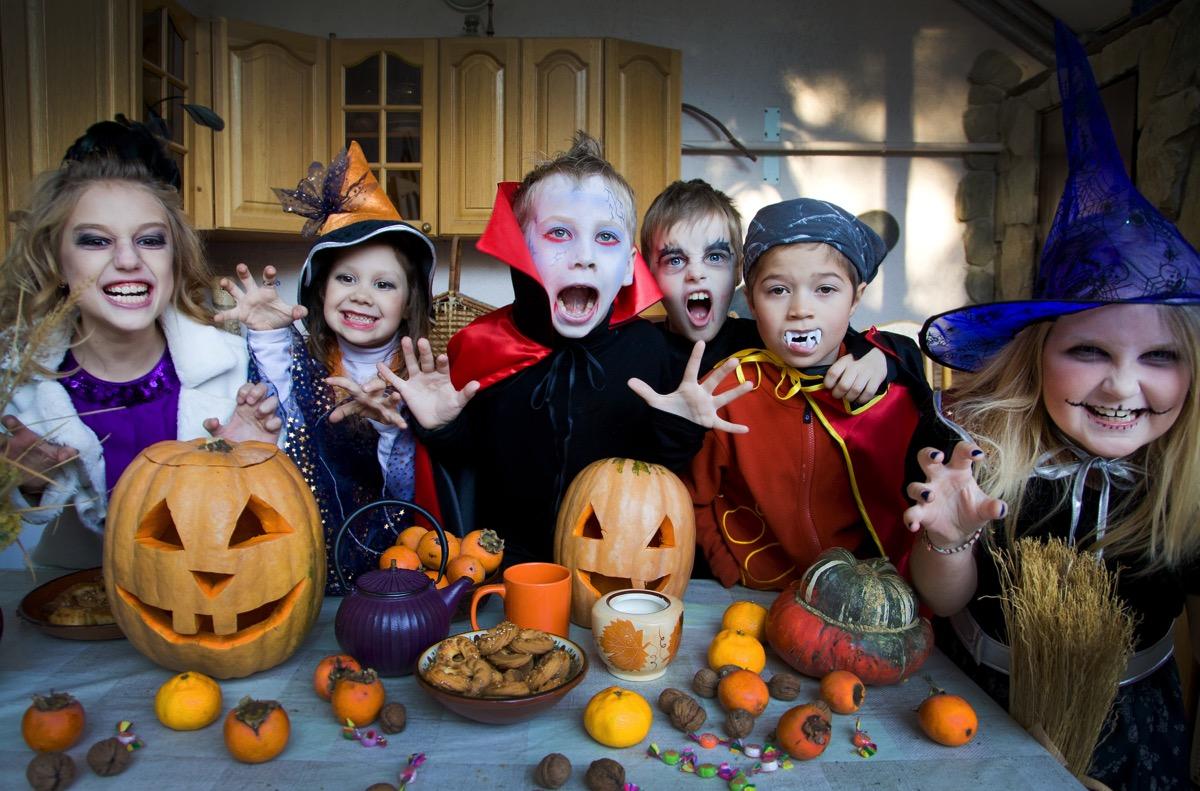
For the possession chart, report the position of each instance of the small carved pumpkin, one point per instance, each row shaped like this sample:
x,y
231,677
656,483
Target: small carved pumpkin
x,y
850,614
624,524
214,556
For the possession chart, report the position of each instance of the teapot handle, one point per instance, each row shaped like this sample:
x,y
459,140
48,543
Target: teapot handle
x,y
337,543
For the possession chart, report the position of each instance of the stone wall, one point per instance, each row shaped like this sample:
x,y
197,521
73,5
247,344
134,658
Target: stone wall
x,y
998,197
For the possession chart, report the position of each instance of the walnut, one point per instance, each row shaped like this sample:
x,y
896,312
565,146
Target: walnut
x,y
393,717
784,686
52,771
553,771
109,757
667,697
725,670
704,683
739,723
686,714
605,774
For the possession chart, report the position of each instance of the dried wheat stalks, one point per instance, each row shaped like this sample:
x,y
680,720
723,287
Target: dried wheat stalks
x,y
1071,637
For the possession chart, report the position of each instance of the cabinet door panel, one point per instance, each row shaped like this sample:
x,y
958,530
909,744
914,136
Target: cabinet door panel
x,y
271,85
480,129
561,92
642,115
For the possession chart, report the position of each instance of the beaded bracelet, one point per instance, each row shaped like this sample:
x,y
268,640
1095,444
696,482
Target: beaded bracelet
x,y
971,539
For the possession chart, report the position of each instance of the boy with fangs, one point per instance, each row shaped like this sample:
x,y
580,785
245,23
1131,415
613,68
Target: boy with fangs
x,y
814,471
567,375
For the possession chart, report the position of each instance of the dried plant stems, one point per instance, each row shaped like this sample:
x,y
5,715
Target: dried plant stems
x,y
1071,638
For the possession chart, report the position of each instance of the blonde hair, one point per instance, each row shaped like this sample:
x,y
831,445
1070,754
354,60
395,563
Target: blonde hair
x,y
1001,407
691,201
31,265
582,160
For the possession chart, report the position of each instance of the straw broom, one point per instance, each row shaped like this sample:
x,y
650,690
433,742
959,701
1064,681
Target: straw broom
x,y
453,310
1071,638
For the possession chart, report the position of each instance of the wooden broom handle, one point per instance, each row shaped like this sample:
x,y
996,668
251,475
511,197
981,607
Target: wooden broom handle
x,y
454,266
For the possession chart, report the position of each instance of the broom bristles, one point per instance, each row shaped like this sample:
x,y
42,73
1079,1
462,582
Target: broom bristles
x,y
1070,636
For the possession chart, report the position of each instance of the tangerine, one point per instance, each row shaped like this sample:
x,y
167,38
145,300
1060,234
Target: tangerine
x,y
947,719
402,556
843,691
465,566
53,723
357,697
411,536
751,618
429,549
742,689
735,647
188,701
324,675
486,545
617,717
256,730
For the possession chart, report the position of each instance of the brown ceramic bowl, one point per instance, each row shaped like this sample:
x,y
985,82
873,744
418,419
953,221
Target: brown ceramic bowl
x,y
35,609
502,711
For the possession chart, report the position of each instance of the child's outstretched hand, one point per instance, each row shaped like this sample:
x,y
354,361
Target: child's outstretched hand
x,y
857,381
32,455
950,504
693,399
254,417
259,307
373,399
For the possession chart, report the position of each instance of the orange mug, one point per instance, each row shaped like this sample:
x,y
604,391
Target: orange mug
x,y
536,596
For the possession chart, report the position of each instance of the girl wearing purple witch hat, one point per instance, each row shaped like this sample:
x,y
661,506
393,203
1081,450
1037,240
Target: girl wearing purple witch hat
x,y
1084,403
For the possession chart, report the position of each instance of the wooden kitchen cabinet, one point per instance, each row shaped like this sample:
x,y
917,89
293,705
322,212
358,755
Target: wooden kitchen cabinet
x,y
562,90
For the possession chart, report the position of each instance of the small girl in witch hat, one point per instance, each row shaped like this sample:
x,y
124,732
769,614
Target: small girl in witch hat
x,y
364,285
1085,406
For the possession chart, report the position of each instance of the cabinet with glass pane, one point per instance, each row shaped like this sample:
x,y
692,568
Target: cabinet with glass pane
x,y
383,94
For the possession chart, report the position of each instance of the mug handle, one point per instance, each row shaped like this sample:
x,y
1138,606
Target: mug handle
x,y
498,589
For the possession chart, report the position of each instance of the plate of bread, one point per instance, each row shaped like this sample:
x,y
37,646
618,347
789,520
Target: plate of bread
x,y
74,607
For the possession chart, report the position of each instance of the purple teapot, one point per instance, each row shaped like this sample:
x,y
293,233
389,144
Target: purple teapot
x,y
391,615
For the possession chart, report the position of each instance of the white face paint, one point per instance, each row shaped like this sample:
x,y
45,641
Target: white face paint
x,y
580,238
693,264
1114,378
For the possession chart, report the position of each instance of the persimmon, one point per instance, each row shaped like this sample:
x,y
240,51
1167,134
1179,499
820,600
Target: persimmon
x,y
402,556
735,647
947,719
411,536
843,691
256,730
742,689
803,731
328,670
465,566
433,575
429,549
53,723
357,697
487,546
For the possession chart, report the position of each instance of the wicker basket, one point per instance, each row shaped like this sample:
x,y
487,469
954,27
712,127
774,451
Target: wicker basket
x,y
453,310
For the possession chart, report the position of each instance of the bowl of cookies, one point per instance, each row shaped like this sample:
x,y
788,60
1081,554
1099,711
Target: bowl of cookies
x,y
74,607
501,675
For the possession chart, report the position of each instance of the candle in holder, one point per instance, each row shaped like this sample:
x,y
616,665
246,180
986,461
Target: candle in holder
x,y
637,632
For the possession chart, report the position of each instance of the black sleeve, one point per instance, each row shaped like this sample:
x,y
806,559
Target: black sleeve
x,y
452,442
676,440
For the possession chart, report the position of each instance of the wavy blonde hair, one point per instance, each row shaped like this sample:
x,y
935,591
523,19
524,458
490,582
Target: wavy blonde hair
x,y
1001,407
31,267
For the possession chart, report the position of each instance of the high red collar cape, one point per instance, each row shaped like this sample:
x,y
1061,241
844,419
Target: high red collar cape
x,y
492,348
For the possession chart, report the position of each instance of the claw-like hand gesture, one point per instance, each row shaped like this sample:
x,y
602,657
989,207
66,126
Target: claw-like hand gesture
x,y
254,417
372,399
259,307
695,400
31,454
857,381
950,504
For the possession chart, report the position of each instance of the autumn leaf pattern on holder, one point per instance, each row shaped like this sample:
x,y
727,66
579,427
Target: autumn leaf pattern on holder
x,y
624,646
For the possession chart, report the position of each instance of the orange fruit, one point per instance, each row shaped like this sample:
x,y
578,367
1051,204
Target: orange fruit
x,y
357,697
257,730
403,557
617,717
804,731
751,618
465,566
53,723
188,701
947,719
485,545
411,536
433,575
323,676
742,689
735,647
843,691
429,549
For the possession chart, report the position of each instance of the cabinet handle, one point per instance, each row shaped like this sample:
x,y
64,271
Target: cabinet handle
x,y
426,227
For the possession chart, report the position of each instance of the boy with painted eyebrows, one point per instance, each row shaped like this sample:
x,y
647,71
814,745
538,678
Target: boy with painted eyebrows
x,y
692,240
814,471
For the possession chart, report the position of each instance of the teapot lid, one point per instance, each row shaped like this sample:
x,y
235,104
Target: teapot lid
x,y
393,582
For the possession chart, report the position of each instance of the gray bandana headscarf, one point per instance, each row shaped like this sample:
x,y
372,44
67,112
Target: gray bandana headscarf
x,y
807,220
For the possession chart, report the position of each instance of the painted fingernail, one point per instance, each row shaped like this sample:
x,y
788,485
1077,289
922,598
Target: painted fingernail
x,y
1003,510
935,455
976,453
925,495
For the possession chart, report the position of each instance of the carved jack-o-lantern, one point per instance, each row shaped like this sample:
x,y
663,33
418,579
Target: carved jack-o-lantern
x,y
624,524
214,556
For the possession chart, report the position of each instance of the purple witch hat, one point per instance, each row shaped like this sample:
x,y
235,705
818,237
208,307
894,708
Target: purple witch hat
x,y
1107,245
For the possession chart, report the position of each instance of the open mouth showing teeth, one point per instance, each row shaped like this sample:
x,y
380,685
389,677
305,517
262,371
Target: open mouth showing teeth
x,y
801,342
1115,414
699,307
131,293
199,628
577,302
358,319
